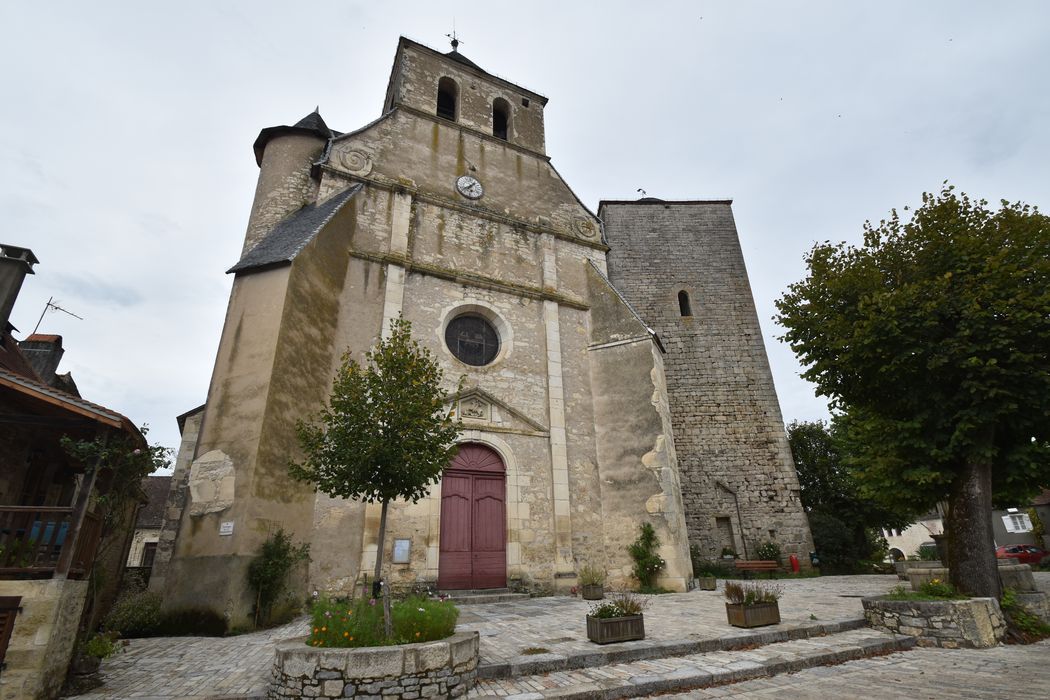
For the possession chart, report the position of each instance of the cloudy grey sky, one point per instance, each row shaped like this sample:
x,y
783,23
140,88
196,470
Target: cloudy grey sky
x,y
126,132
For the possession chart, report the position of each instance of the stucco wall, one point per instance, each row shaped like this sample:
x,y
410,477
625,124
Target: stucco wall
x,y
43,637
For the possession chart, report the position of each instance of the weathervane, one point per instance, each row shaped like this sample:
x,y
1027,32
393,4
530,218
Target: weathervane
x,y
642,191
453,37
54,307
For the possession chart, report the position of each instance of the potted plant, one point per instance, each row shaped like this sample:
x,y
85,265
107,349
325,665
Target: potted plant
x,y
752,604
618,619
706,573
728,553
592,580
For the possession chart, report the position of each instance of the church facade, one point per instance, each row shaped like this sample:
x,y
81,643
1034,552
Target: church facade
x,y
611,365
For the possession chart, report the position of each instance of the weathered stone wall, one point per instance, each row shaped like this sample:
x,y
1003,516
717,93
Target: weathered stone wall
x,y
976,623
729,435
42,640
442,669
414,83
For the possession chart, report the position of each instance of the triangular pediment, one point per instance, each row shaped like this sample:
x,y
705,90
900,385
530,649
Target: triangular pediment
x,y
478,408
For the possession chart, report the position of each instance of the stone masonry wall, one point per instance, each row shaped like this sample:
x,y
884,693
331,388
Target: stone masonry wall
x,y
732,448
951,624
442,669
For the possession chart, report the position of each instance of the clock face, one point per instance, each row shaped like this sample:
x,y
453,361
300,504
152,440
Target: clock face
x,y
469,186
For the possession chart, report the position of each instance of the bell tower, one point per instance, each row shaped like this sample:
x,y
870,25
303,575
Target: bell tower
x,y
455,88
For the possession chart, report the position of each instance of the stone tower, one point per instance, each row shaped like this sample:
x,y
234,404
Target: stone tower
x,y
679,264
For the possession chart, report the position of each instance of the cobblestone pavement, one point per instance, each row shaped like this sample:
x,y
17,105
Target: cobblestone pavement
x,y
919,674
194,667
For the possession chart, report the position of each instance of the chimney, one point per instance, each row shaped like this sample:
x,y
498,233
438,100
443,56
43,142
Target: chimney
x,y
15,264
43,352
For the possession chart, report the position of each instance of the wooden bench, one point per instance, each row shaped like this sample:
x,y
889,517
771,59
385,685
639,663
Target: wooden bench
x,y
749,567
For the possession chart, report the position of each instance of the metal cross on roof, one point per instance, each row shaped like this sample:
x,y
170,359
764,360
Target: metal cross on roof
x,y
455,40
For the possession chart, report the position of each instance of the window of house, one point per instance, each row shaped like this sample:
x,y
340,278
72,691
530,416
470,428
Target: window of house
x,y
1017,522
149,551
448,92
472,339
500,118
683,303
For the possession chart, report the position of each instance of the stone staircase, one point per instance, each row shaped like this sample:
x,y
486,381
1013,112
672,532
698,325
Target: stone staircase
x,y
619,671
488,595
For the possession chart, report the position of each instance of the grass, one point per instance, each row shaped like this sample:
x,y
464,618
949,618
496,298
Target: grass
x,y
927,592
533,651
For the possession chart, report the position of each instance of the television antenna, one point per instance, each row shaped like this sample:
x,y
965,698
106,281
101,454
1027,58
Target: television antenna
x,y
53,306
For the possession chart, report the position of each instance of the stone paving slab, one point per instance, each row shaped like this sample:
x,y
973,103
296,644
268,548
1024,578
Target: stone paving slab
x,y
641,678
920,674
197,668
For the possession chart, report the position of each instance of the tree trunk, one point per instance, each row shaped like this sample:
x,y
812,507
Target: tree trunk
x,y
971,541
387,626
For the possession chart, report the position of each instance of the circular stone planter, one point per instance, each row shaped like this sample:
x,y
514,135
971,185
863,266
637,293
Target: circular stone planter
x,y
975,623
443,669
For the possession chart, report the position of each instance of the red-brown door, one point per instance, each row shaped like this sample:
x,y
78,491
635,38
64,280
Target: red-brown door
x,y
473,550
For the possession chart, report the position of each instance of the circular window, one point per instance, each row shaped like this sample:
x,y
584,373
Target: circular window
x,y
472,339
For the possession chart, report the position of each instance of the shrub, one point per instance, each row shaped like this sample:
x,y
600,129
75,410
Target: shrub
x,y
728,552
928,552
770,551
268,571
752,593
647,563
102,646
591,575
135,615
360,623
619,605
936,588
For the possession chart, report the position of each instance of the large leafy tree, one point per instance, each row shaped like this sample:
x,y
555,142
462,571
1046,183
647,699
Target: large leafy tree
x,y
932,340
385,433
845,524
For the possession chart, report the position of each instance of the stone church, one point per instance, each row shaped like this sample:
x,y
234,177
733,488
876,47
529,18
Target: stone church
x,y
613,369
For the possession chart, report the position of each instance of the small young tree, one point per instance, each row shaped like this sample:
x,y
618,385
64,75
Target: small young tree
x,y
385,433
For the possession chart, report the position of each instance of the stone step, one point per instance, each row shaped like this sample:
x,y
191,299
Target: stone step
x,y
646,649
641,678
478,597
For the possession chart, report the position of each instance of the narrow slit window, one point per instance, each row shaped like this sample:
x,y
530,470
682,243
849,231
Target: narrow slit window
x,y
448,92
683,303
500,118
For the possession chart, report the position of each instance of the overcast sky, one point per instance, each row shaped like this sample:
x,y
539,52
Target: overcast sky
x,y
126,133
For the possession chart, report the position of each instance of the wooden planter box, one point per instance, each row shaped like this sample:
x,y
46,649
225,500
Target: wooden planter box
x,y
592,591
615,629
759,615
707,583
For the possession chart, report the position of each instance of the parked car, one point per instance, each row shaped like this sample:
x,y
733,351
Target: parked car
x,y
1023,553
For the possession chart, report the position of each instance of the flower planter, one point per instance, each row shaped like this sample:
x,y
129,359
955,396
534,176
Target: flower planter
x,y
707,583
757,615
615,629
592,591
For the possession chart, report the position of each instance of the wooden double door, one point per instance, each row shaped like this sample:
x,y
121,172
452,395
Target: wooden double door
x,y
473,552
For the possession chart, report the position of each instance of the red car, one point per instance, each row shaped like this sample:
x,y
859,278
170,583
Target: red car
x,y
1023,553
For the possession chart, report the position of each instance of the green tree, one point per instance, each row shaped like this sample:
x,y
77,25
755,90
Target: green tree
x,y
931,339
385,433
845,524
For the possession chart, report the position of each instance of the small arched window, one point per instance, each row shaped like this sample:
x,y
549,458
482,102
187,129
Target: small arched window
x,y
448,92
683,303
500,118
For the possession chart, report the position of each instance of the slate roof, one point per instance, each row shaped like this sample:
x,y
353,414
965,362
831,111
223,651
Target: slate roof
x,y
460,58
283,243
151,515
310,125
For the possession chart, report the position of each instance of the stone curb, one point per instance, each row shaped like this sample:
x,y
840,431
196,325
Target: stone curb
x,y
621,653
694,678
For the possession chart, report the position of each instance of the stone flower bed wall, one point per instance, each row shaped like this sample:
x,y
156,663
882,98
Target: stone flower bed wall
x,y
975,623
442,669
